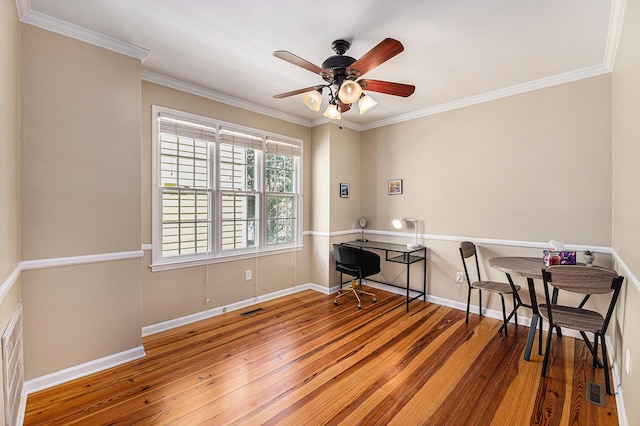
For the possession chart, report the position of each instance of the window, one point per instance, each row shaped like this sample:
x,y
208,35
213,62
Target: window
x,y
281,188
221,189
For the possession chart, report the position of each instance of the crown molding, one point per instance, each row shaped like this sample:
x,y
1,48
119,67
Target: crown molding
x,y
77,32
194,89
49,23
542,83
618,8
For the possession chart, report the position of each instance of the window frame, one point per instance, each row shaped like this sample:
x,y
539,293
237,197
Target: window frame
x,y
216,252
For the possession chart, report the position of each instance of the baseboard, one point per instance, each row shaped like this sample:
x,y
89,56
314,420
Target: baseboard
x,y
616,373
188,319
81,370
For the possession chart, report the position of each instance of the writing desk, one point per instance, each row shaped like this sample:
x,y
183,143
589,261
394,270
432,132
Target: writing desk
x,y
399,253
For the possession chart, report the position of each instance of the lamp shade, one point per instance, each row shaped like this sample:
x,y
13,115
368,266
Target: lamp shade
x,y
312,99
366,103
349,92
399,224
332,112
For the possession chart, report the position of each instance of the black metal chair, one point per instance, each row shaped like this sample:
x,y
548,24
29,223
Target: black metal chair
x,y
582,280
359,264
467,250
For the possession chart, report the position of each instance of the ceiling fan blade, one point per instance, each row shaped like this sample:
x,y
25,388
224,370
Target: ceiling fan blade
x,y
296,60
396,89
385,50
297,92
345,107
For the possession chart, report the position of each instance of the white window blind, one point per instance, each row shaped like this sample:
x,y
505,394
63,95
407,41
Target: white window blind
x,y
185,184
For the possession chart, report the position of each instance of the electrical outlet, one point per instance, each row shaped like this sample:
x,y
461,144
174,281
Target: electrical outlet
x,y
459,278
247,274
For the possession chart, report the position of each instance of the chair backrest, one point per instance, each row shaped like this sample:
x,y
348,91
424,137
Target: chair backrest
x,y
583,280
345,255
467,250
354,261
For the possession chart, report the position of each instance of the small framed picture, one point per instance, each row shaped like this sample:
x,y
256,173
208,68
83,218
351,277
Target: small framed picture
x,y
395,187
344,190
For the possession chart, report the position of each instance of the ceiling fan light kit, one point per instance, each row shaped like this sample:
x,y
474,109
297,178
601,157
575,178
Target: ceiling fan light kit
x,y
340,73
313,99
365,103
332,112
349,92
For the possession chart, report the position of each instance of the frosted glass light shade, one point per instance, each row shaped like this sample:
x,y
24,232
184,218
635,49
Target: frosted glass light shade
x,y
332,112
312,99
349,92
366,103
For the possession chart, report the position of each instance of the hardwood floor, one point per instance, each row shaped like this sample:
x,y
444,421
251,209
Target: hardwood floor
x,y
303,361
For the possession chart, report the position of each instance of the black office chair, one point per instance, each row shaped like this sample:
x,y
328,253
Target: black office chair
x,y
467,250
358,263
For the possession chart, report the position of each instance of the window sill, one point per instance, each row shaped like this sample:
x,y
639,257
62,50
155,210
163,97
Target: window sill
x,y
178,264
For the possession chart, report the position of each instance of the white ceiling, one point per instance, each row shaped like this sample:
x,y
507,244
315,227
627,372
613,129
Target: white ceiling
x,y
456,51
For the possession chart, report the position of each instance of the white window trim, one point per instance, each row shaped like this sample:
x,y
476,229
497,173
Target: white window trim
x,y
158,263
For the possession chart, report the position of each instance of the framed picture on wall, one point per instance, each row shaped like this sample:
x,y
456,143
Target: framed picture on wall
x,y
395,187
344,190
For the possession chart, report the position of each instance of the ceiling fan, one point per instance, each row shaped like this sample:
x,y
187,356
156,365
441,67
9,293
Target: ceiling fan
x,y
340,73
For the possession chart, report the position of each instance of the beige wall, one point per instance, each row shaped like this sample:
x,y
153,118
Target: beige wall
x,y
80,114
335,160
345,168
626,203
80,190
9,140
320,177
9,167
530,167
173,294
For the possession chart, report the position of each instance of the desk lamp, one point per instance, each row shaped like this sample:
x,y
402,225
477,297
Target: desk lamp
x,y
399,224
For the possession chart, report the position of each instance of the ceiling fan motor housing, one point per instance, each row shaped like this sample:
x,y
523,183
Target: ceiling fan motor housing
x,y
337,65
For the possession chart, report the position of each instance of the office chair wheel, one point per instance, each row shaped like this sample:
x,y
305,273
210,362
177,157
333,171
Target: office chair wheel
x,y
359,306
335,301
375,300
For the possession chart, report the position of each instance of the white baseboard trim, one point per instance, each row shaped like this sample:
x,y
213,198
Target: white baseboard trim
x,y
77,371
188,319
617,384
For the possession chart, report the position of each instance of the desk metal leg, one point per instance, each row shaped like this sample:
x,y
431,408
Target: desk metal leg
x,y
408,268
424,276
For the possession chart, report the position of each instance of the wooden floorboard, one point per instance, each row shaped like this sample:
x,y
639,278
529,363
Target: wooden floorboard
x,y
301,360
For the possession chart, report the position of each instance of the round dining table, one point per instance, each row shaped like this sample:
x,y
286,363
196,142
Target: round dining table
x,y
530,268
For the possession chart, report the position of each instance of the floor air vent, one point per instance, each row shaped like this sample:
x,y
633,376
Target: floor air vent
x,y
595,394
13,368
254,311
